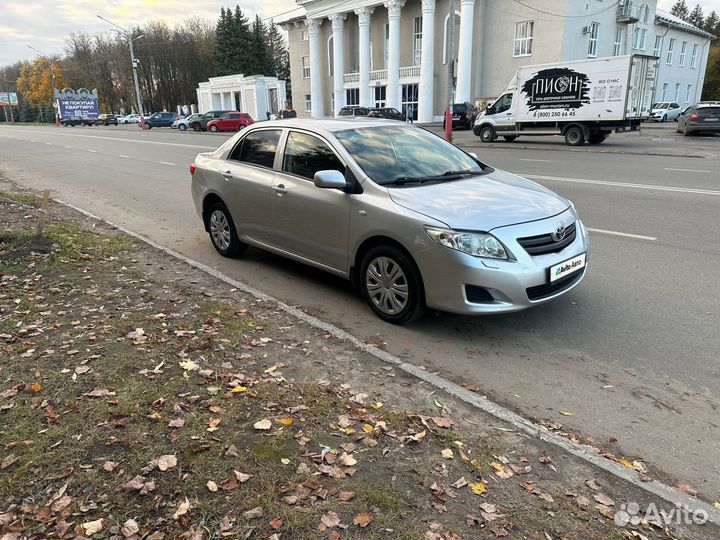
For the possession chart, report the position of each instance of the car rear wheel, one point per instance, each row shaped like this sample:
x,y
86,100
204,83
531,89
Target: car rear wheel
x,y
574,136
391,285
686,131
222,232
196,127
182,127
487,134
214,129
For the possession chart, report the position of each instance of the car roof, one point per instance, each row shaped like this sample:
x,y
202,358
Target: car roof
x,y
704,105
329,124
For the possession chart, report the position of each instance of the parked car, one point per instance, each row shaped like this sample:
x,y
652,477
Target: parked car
x,y
463,115
201,123
287,113
700,118
77,121
390,113
665,111
354,110
230,121
160,119
410,218
184,123
130,119
106,120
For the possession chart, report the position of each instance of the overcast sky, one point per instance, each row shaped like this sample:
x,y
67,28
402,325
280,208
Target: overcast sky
x,y
45,24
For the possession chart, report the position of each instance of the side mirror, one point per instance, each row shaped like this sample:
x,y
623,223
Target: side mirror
x,y
330,180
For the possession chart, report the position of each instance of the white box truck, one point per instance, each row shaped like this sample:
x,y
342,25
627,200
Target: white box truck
x,y
583,100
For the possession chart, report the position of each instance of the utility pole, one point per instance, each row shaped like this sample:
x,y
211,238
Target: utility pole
x,y
130,39
451,70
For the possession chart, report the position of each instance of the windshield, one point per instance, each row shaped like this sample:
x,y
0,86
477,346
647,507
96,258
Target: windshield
x,y
662,106
394,154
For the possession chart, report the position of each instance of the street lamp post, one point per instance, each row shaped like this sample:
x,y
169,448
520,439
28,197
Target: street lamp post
x,y
130,39
52,75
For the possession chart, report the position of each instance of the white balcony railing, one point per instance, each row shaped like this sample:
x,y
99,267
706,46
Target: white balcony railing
x,y
349,78
409,72
378,75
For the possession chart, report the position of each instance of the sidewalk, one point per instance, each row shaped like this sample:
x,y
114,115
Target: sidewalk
x,y
142,398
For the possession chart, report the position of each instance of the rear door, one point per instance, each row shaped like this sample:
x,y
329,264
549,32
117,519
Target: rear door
x,y
249,174
310,222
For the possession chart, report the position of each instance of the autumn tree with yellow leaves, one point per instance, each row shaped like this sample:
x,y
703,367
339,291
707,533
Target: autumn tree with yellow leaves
x,y
35,82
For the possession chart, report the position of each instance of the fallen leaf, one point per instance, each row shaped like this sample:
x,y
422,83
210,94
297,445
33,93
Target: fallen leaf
x,y
499,531
92,527
285,461
419,436
686,488
716,504
500,470
478,488
489,508
176,423
36,387
232,451
241,477
626,463
363,519
135,484
166,462
254,513
442,422
239,390
7,461
182,509
603,499
566,413
129,528
330,520
346,496
263,425
592,485
286,421
189,365
447,453
212,486
459,483
347,460
276,523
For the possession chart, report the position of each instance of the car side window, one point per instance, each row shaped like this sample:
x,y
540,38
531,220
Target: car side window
x,y
257,148
305,155
503,104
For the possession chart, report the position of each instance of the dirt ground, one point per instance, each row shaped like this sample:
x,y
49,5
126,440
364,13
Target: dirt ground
x,y
141,398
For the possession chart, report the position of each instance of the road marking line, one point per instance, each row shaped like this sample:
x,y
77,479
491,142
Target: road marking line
x,y
541,160
69,147
49,143
121,139
167,163
123,156
621,184
657,487
629,235
687,170
93,151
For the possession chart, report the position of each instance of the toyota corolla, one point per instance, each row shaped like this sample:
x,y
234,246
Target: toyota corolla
x,y
413,220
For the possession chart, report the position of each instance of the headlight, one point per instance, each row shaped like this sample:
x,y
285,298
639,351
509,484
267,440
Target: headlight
x,y
475,244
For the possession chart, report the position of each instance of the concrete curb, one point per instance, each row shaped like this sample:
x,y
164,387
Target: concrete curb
x,y
594,150
654,487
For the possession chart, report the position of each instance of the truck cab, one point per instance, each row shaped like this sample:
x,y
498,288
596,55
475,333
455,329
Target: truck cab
x,y
497,119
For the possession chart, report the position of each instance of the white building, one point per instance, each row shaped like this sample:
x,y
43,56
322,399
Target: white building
x,y
255,95
395,52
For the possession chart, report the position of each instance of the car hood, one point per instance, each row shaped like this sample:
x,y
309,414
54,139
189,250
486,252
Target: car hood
x,y
481,203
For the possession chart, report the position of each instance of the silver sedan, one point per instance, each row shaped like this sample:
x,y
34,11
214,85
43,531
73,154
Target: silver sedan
x,y
413,220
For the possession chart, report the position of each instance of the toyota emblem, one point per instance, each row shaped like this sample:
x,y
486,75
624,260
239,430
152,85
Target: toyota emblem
x,y
558,234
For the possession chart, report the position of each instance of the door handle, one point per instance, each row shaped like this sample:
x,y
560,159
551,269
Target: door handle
x,y
280,190
227,175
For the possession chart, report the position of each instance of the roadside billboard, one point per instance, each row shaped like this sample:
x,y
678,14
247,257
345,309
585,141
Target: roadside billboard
x,y
82,103
8,98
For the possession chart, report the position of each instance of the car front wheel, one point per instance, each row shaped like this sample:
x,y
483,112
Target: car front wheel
x,y
487,134
391,285
182,127
222,232
214,129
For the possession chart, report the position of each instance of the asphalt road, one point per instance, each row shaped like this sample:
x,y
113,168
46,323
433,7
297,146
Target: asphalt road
x,y
631,354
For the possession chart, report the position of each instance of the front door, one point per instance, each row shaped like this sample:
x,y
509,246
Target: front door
x,y
502,113
310,222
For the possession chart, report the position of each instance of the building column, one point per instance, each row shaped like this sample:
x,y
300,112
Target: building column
x,y
338,25
427,63
465,39
316,94
364,53
393,67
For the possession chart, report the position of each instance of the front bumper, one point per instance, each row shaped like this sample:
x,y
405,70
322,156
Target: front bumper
x,y
447,273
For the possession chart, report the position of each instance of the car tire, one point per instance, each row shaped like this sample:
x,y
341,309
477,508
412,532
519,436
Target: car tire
x,y
663,119
574,136
196,127
214,129
510,138
677,128
486,134
223,234
182,127
389,264
686,131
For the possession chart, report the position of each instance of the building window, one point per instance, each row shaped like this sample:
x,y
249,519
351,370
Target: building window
x,y
663,97
380,96
331,56
687,94
693,58
593,39
522,45
644,12
671,46
683,48
640,39
308,103
303,35
617,45
305,60
410,99
658,46
677,92
417,41
352,96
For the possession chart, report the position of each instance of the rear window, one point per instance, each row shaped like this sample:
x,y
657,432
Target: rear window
x,y
705,112
257,148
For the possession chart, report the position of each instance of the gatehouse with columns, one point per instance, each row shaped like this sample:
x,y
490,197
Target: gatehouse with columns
x,y
395,53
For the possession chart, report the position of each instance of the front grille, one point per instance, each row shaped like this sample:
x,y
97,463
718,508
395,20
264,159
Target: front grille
x,y
548,289
478,295
544,243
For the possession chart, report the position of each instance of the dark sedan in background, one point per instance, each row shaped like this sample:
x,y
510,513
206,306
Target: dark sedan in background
x,y
390,113
463,115
700,118
161,119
